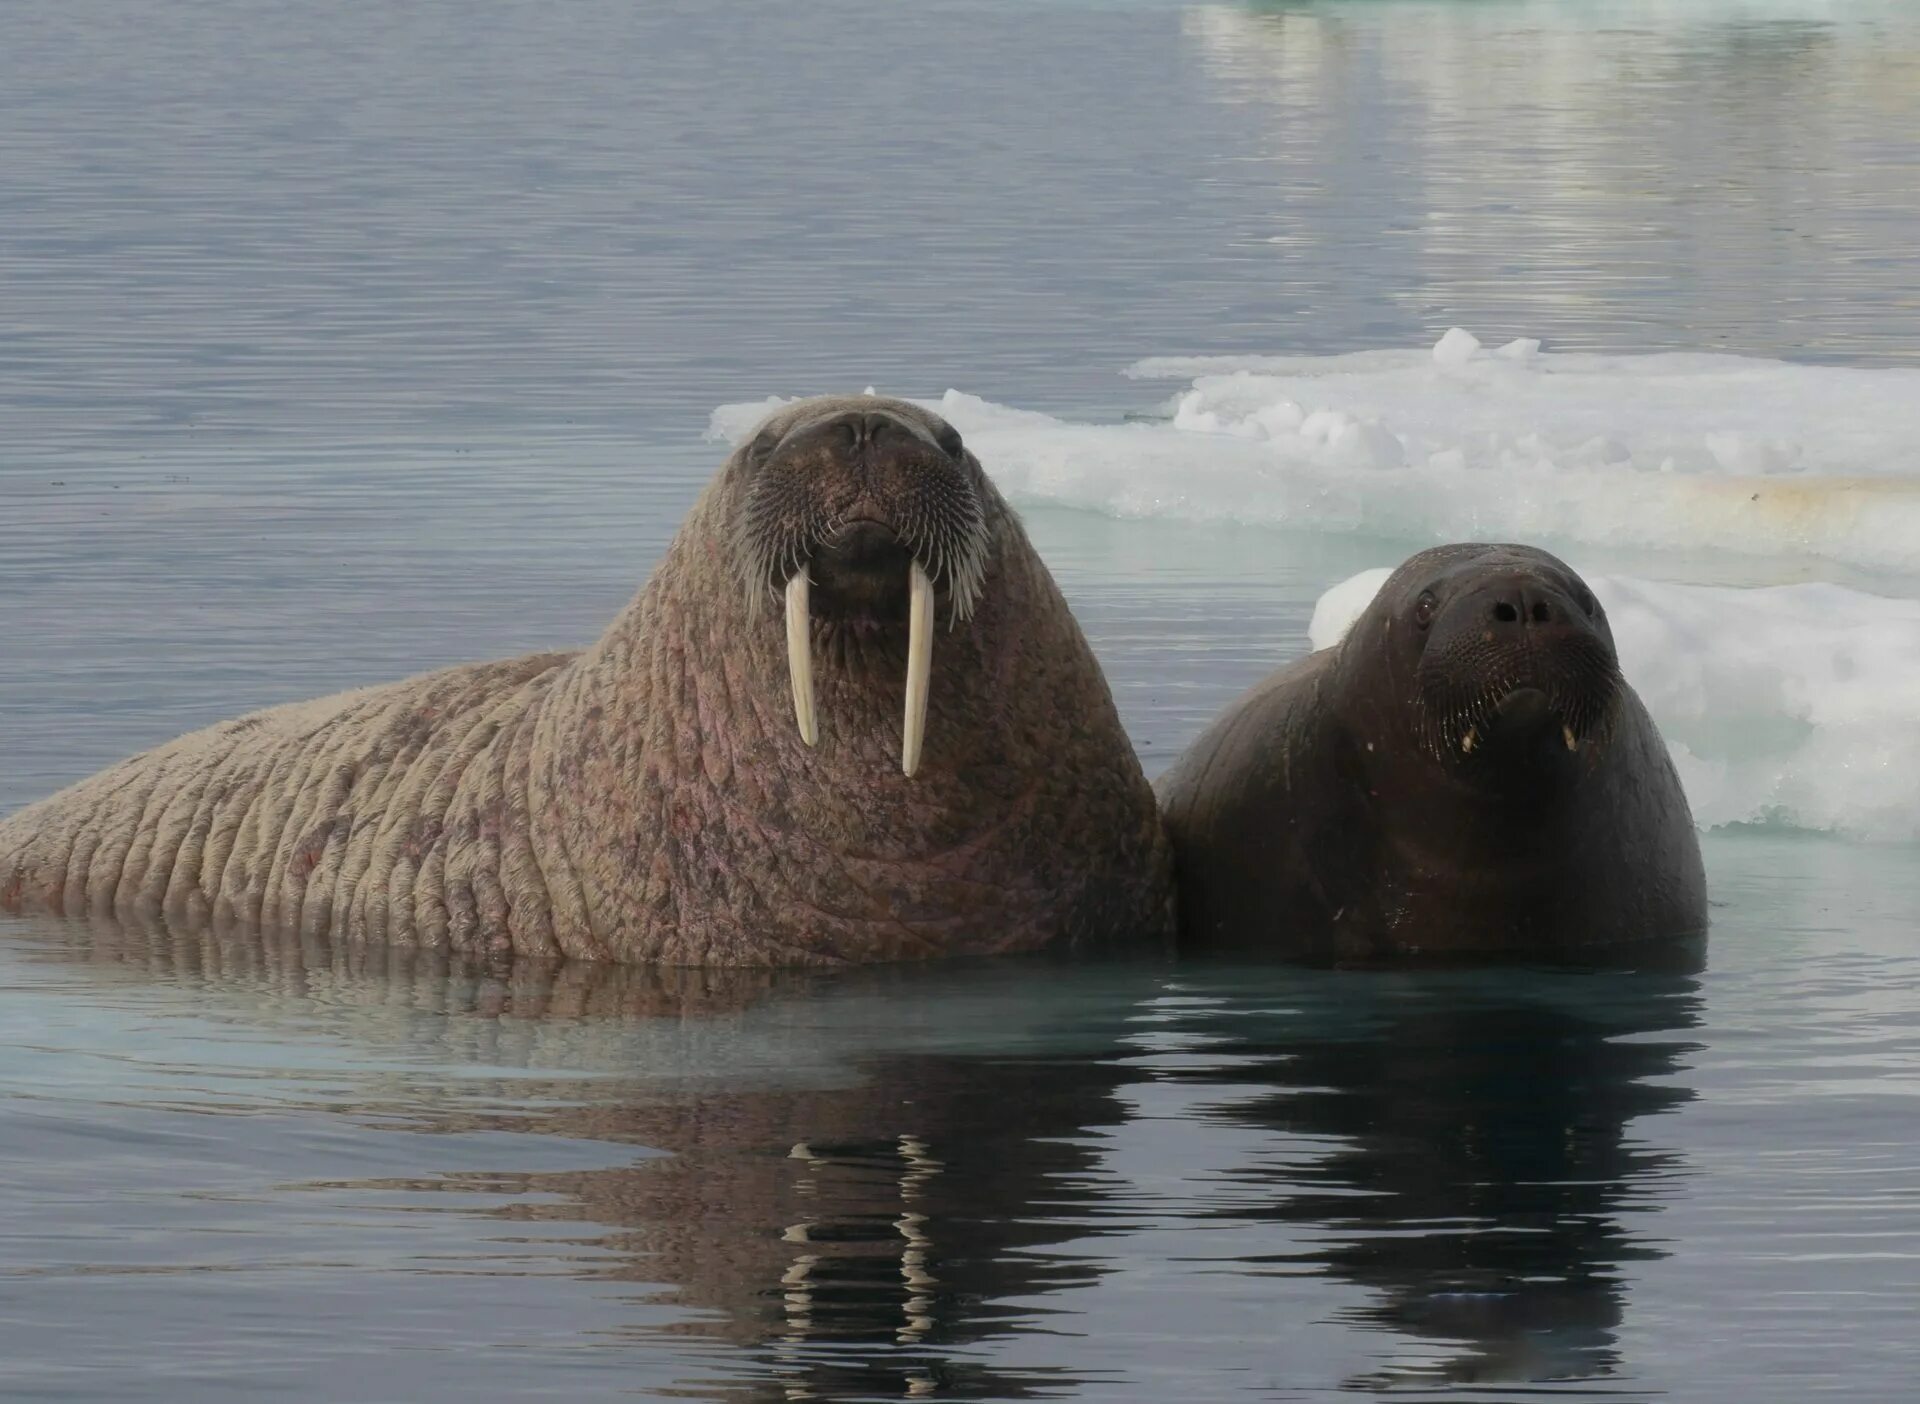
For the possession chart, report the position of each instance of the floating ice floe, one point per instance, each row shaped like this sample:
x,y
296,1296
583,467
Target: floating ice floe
x,y
1462,441
1789,705
1793,705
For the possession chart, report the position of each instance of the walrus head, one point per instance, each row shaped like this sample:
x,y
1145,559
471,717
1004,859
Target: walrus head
x,y
868,518
1503,655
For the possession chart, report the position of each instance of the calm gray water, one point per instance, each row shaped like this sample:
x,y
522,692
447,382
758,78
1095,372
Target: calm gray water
x,y
338,342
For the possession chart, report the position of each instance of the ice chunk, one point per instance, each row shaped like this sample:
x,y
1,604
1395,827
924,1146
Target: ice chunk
x,y
1361,445
1335,611
1248,405
1671,452
1456,348
1322,425
729,424
1791,705
1744,453
1600,449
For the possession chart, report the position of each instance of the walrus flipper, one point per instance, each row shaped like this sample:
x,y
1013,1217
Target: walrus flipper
x,y
334,815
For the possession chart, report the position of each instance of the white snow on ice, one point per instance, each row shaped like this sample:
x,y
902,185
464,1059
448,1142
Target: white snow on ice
x,y
1673,452
1791,705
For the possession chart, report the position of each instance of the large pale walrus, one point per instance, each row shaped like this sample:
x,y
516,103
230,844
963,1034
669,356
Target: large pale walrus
x,y
1466,773
849,718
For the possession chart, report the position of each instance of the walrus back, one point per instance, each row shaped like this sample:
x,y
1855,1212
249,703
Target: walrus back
x,y
333,814
1240,807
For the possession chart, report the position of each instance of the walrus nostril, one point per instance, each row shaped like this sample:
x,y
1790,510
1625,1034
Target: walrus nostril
x,y
1542,614
863,427
1505,613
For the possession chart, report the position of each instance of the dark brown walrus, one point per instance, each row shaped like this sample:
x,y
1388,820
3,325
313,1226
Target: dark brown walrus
x,y
1466,774
718,780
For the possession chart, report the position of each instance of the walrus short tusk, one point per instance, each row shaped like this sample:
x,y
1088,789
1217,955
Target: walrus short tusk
x,y
1466,742
919,665
800,655
1566,735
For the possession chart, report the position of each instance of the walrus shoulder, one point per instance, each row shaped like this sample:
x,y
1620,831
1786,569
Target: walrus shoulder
x,y
1248,749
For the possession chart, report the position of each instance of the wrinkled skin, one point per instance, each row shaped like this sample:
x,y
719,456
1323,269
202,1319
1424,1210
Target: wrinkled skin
x,y
1465,774
651,798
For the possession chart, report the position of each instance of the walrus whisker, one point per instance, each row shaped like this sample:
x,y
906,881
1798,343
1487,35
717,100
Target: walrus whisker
x,y
800,654
919,665
1579,683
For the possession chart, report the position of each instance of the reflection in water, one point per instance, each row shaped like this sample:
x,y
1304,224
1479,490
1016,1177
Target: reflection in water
x,y
1480,1159
852,1237
342,341
1612,174
876,1183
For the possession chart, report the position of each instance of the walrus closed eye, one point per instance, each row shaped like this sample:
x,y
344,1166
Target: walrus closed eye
x,y
717,780
1466,773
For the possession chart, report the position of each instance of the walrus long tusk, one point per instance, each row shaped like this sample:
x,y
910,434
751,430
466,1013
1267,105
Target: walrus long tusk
x,y
919,665
800,655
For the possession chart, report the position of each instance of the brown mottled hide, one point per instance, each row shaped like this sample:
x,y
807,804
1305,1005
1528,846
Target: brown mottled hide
x,y
336,815
650,799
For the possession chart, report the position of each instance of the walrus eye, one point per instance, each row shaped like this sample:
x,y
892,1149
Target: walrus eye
x,y
949,440
1588,603
1425,608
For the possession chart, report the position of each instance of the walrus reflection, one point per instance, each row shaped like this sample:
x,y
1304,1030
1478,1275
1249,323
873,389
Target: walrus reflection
x,y
843,1236
1484,1161
850,1238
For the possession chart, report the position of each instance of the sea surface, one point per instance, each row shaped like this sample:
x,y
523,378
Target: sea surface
x,y
338,342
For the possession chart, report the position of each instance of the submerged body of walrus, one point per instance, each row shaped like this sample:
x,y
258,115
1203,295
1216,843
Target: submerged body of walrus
x,y
1466,773
768,758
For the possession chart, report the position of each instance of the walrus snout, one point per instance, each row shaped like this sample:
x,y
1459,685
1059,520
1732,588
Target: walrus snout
x,y
862,511
862,572
876,435
1525,603
1513,659
858,486
861,581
